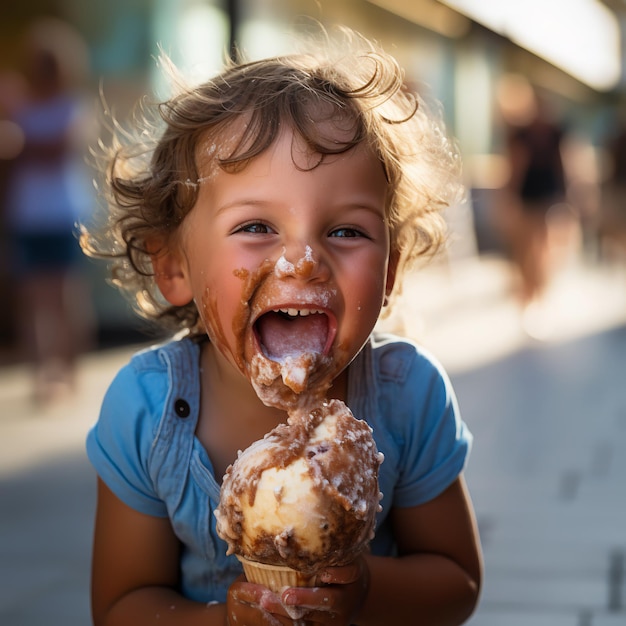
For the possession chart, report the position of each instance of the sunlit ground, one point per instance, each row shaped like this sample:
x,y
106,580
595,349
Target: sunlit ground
x,y
466,313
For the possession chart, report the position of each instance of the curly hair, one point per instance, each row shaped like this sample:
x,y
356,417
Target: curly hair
x,y
151,185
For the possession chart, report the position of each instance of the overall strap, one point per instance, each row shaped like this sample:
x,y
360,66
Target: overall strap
x,y
173,443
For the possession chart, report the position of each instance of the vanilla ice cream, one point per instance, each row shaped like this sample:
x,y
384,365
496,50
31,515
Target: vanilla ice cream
x,y
306,495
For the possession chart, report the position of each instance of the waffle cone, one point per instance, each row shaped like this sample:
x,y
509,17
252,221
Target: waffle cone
x,y
275,577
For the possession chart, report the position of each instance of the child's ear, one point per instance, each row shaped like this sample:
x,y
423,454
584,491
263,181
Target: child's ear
x,y
170,276
392,269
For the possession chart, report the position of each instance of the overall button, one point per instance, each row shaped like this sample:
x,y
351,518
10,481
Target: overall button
x,y
181,407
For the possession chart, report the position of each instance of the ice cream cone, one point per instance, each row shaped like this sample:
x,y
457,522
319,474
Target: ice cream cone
x,y
275,577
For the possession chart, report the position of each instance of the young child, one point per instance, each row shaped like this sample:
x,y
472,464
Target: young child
x,y
280,204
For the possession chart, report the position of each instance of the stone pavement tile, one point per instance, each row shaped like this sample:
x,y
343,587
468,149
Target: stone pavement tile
x,y
524,617
24,584
547,593
602,493
595,528
51,596
599,525
554,552
617,619
546,557
509,493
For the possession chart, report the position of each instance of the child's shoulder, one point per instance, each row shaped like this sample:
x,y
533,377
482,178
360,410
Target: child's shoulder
x,y
398,358
142,389
396,385
157,357
154,369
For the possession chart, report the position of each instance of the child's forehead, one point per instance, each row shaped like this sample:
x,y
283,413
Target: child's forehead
x,y
324,127
220,142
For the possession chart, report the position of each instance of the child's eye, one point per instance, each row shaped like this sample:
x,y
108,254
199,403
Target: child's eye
x,y
255,228
346,232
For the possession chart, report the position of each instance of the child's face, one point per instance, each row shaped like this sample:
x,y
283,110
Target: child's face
x,y
273,238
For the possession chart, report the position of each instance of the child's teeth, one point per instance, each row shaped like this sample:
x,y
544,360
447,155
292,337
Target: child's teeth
x,y
302,312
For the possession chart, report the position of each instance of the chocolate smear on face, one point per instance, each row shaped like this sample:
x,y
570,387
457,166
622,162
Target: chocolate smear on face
x,y
289,370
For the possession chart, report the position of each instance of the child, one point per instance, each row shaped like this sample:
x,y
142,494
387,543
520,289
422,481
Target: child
x,y
280,204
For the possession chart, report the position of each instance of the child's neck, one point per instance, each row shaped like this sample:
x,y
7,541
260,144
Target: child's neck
x,y
231,414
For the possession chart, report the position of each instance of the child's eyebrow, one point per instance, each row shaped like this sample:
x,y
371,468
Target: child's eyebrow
x,y
241,203
374,208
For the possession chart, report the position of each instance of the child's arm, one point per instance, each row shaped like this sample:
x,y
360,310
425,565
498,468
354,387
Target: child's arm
x,y
135,571
435,580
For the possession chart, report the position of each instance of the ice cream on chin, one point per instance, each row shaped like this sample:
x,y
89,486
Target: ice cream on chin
x,y
306,495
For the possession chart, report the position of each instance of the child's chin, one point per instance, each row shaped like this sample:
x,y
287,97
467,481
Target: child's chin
x,y
296,381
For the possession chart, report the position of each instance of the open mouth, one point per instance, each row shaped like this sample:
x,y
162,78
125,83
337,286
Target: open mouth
x,y
290,332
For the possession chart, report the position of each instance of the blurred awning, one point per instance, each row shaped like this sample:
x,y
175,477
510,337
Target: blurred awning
x,y
430,14
581,37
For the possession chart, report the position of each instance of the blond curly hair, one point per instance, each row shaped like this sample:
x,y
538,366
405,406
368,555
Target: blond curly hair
x,y
152,184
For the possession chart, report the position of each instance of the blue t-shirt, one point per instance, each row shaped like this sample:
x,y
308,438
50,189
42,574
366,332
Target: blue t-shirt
x,y
144,446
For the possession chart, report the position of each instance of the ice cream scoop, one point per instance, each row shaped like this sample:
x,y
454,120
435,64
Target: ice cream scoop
x,y
306,495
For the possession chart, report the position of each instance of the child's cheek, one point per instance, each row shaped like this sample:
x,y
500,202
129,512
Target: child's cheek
x,y
218,327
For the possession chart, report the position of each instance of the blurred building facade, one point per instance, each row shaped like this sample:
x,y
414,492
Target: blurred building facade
x,y
458,54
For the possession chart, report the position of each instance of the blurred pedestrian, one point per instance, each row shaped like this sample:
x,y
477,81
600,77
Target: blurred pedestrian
x,y
47,193
612,225
535,216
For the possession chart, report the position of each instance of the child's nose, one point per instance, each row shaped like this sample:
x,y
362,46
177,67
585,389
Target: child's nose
x,y
300,262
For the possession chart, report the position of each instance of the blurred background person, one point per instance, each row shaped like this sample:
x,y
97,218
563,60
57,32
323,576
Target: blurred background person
x,y
612,225
44,135
538,224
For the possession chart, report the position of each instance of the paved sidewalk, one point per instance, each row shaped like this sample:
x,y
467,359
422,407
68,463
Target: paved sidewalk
x,y
547,472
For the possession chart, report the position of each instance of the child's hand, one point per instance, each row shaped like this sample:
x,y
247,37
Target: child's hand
x,y
249,604
337,601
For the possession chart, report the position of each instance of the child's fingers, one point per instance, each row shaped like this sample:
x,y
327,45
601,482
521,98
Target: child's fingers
x,y
341,575
317,605
254,605
336,601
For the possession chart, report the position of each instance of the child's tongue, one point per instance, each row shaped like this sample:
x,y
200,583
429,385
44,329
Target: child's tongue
x,y
283,336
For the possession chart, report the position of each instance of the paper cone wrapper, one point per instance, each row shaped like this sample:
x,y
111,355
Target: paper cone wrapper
x,y
275,577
